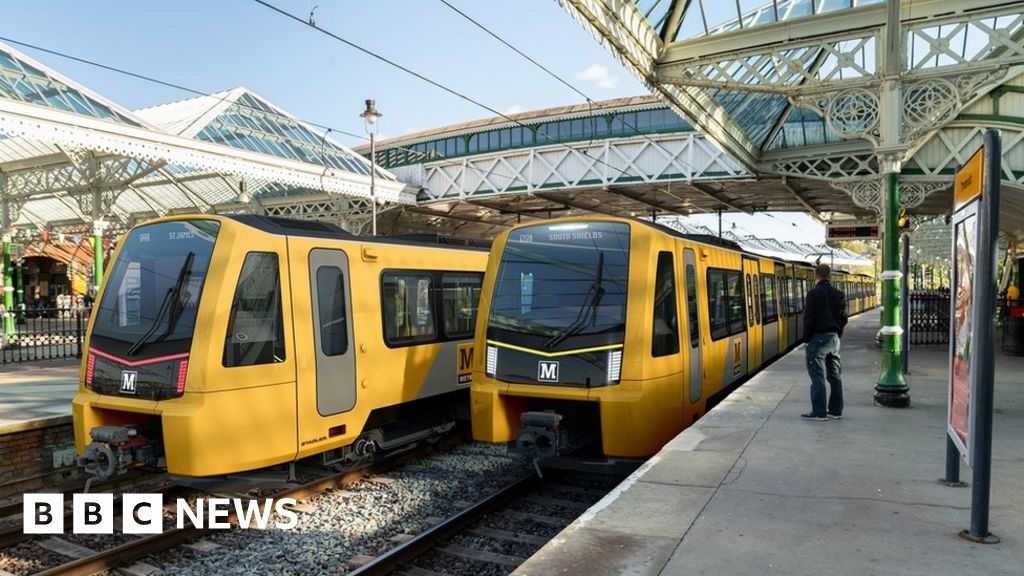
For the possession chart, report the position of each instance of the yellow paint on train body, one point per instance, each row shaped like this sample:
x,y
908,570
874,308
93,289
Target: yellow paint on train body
x,y
237,418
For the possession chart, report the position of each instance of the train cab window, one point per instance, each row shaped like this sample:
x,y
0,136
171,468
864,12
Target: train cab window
x,y
255,329
408,312
768,298
665,332
691,304
330,290
460,300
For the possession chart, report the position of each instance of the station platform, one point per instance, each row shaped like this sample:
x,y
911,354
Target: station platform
x,y
35,394
753,489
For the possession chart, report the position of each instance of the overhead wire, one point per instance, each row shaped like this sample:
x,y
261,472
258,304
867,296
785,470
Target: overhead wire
x,y
569,85
575,89
419,76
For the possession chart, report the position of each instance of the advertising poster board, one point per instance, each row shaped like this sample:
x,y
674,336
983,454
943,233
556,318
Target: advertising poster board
x,y
967,194
965,242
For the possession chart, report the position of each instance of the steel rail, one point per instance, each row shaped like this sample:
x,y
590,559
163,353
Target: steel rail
x,y
427,540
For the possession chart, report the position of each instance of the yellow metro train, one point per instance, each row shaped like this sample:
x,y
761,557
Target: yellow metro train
x,y
223,344
602,338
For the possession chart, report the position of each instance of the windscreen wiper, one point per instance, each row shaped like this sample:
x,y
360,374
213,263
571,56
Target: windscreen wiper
x,y
588,308
170,302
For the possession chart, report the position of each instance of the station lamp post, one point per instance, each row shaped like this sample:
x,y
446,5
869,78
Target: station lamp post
x,y
370,117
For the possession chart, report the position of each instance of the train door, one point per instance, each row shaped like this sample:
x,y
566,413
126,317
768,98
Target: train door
x,y
754,332
800,297
770,304
332,331
793,308
693,323
325,345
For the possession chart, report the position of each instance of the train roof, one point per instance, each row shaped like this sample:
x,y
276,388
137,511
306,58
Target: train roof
x,y
702,238
315,229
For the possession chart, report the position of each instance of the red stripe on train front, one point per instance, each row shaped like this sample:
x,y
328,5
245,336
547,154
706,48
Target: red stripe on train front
x,y
138,362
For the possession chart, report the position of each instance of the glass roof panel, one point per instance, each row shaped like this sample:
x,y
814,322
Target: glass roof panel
x,y
755,112
804,127
250,124
22,82
656,11
708,17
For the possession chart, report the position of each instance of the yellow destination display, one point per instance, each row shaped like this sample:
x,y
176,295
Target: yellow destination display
x,y
968,181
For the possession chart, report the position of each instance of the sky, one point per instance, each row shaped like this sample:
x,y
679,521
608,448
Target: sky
x,y
216,45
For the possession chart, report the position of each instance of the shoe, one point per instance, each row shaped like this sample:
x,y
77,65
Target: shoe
x,y
814,417
835,416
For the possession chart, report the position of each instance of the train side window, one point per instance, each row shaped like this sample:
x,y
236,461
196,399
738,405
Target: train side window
x,y
785,301
718,304
768,298
750,303
408,312
330,293
255,328
757,299
691,305
665,332
734,284
460,300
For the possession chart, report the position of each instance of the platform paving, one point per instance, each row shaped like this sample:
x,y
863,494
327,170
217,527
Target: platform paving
x,y
34,392
752,489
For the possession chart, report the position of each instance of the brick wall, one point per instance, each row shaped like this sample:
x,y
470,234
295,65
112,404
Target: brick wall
x,y
27,457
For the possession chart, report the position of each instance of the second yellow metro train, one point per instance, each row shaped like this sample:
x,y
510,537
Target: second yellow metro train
x,y
601,338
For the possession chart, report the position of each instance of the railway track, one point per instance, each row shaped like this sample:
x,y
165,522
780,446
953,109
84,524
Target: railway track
x,y
92,562
327,503
86,561
497,533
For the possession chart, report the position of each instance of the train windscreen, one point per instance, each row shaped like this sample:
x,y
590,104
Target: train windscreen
x,y
152,291
562,287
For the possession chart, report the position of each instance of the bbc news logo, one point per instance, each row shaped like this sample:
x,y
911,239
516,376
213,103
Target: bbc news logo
x,y
144,513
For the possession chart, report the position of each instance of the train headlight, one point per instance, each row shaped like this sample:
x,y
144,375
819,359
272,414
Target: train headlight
x,y
492,361
614,366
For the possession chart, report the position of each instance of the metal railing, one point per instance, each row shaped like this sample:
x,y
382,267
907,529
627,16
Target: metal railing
x,y
929,318
44,334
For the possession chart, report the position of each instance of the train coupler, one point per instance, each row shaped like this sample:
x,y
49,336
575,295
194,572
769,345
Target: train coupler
x,y
115,449
540,435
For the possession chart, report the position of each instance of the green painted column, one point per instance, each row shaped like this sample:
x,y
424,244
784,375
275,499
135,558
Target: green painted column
x,y
9,330
891,389
97,254
19,284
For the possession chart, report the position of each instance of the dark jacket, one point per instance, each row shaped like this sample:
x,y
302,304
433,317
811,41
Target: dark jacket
x,y
824,311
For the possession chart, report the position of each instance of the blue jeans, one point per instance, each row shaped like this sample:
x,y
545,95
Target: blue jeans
x,y
823,363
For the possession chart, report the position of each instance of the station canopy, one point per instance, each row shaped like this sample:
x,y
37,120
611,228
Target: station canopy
x,y
64,147
834,92
782,249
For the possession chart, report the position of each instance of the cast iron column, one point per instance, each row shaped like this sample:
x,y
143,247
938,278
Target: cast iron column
x,y
905,303
9,333
97,253
891,388
19,284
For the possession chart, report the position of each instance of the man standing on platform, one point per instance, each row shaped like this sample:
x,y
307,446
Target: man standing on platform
x,y
824,320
